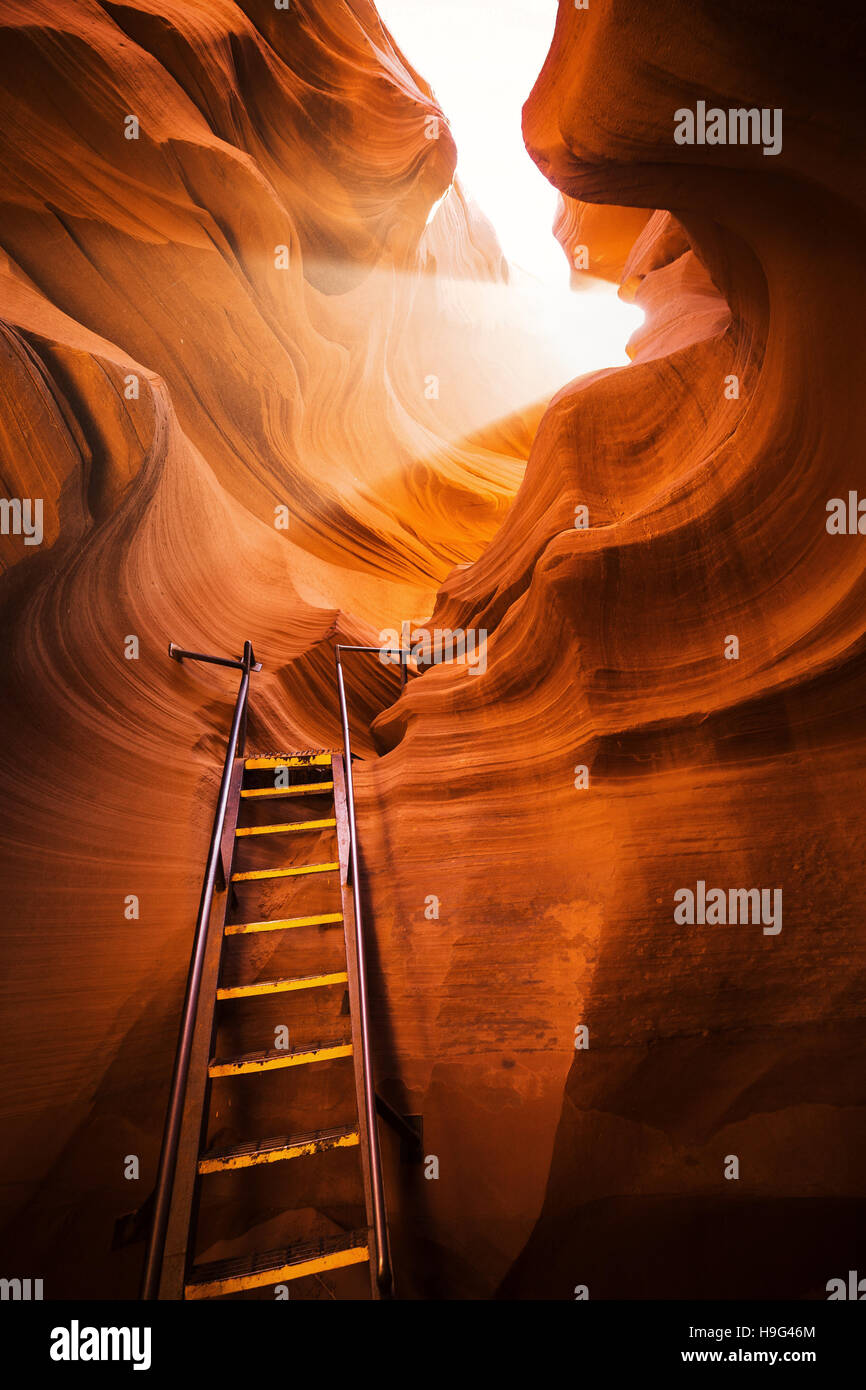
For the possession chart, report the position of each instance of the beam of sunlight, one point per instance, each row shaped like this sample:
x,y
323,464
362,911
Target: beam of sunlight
x,y
499,347
482,61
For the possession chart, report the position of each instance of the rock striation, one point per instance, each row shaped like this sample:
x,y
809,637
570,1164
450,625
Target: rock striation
x,y
267,370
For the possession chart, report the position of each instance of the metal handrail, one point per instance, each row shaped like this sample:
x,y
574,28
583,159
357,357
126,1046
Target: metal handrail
x,y
402,652
384,1269
180,1075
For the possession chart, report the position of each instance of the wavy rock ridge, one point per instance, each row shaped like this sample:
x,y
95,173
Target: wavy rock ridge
x,y
225,307
305,387
706,469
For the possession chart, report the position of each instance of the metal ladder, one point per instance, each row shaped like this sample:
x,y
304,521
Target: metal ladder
x,y
187,1162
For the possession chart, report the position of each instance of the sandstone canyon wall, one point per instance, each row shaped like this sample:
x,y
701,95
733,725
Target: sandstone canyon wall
x,y
238,312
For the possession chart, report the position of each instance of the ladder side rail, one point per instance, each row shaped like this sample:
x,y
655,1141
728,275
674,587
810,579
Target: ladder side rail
x,y
180,1074
384,1271
347,903
186,1189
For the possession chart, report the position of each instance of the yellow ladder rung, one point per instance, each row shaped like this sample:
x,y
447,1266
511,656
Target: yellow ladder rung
x,y
282,924
289,760
274,1061
278,1274
285,873
282,986
291,825
277,1151
302,789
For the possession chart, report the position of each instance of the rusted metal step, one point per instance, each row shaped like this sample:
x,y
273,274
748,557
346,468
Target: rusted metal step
x,y
289,826
282,986
288,760
282,924
253,1062
302,789
285,873
278,1266
277,1150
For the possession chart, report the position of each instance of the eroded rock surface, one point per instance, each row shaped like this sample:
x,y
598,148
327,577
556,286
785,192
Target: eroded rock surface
x,y
244,309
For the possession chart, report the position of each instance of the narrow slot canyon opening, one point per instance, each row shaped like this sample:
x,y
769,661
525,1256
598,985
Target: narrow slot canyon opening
x,y
573,321
513,338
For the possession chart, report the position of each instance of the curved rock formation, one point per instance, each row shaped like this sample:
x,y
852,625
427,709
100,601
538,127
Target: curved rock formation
x,y
242,317
224,315
597,240
705,470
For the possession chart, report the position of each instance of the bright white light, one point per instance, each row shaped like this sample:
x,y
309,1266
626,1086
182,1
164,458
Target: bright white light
x,y
482,58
